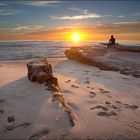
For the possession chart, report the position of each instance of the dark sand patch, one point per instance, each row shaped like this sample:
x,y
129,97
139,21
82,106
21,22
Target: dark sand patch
x,y
87,78
1,111
39,134
89,87
86,71
10,119
73,105
87,82
108,109
92,94
104,91
74,86
2,100
107,114
11,126
108,103
125,78
67,91
68,81
114,107
127,105
100,107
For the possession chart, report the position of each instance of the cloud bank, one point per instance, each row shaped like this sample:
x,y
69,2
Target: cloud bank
x,y
84,14
39,3
125,29
9,12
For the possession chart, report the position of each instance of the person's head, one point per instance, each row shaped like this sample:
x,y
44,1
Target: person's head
x,y
112,36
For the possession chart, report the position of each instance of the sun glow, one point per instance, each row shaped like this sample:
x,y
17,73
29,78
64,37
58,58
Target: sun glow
x,y
76,37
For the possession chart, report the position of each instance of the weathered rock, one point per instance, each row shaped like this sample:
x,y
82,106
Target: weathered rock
x,y
106,60
41,71
76,55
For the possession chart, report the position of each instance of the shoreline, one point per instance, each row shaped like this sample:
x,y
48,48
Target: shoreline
x,y
27,60
51,60
35,50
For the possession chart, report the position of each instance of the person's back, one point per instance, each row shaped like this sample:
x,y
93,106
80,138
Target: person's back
x,y
112,40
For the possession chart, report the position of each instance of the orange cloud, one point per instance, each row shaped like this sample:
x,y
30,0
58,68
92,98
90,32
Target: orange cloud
x,y
122,30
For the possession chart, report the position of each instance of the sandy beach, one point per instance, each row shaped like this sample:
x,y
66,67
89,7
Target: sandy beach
x,y
105,103
70,70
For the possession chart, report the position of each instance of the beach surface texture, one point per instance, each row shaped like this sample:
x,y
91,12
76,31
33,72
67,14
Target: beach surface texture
x,y
104,104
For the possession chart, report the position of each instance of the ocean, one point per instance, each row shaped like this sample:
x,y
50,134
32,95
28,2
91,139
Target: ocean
x,y
21,50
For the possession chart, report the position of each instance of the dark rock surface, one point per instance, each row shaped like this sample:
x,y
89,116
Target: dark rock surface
x,y
41,71
127,63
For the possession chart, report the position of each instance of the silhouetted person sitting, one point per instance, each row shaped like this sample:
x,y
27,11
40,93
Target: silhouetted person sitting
x,y
112,40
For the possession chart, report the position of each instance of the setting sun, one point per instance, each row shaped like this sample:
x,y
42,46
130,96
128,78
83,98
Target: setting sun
x,y
76,37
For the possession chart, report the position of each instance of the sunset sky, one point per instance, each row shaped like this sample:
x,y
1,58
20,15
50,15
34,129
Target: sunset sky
x,y
59,20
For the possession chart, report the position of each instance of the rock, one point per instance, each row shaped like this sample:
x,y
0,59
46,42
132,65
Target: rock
x,y
99,58
76,55
112,47
41,71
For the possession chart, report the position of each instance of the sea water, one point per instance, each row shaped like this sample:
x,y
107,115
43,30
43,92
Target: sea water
x,y
21,50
